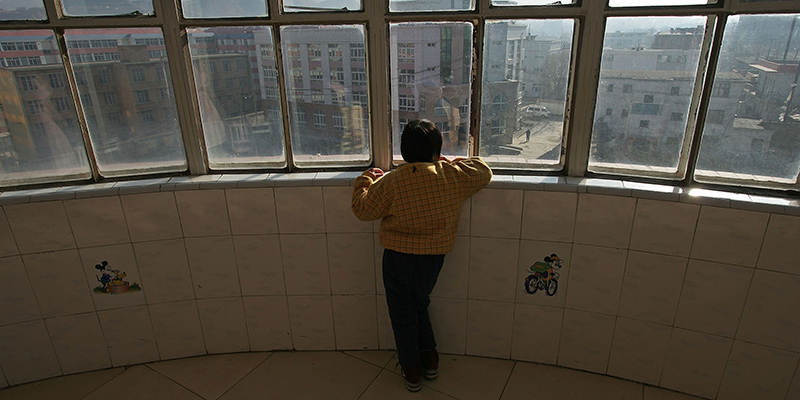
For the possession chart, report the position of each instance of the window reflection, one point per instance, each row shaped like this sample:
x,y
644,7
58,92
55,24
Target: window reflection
x,y
327,94
241,116
11,10
130,110
40,138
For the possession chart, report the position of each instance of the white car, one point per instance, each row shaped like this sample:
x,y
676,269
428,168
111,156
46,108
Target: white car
x,y
538,111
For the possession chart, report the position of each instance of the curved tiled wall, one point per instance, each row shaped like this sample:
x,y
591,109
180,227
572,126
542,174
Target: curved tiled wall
x,y
695,294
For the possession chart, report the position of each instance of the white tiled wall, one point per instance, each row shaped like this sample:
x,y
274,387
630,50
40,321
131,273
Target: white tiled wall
x,y
703,299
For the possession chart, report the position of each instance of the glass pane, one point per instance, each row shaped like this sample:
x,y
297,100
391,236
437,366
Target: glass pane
x,y
86,8
224,9
525,75
512,3
647,76
126,92
40,138
239,102
326,78
321,5
748,133
431,67
649,3
430,5
24,10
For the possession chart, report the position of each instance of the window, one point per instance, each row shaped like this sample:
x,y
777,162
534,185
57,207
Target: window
x,y
142,96
406,102
315,74
146,116
620,146
300,118
86,100
359,76
337,75
406,78
357,51
35,106
500,102
335,52
442,108
137,74
61,103
722,89
360,99
28,83
56,81
104,76
338,122
528,59
319,121
314,53
405,53
317,96
109,98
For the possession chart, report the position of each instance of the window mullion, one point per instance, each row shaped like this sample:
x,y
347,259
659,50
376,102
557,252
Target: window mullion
x,y
87,143
283,90
379,64
694,129
584,88
176,44
705,98
477,87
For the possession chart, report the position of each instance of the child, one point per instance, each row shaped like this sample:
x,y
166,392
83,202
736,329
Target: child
x,y
420,204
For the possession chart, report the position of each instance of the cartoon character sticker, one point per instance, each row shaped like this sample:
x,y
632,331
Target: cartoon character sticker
x,y
543,276
111,280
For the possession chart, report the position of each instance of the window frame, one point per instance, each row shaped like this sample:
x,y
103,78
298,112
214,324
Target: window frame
x,y
590,17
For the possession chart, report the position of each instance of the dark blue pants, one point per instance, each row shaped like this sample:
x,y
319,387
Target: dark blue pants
x,y
409,280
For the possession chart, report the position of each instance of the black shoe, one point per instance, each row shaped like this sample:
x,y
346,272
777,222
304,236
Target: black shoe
x,y
430,363
412,376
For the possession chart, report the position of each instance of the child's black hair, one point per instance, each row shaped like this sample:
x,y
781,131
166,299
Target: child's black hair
x,y
421,142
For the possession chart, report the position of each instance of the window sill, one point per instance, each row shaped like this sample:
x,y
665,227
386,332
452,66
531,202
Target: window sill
x,y
778,205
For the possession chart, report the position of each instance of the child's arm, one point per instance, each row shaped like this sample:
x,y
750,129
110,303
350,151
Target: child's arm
x,y
370,201
475,174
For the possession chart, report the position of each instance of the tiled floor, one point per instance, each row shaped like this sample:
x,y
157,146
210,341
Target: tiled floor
x,y
332,375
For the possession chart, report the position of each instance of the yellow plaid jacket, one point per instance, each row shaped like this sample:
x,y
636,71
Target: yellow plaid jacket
x,y
420,203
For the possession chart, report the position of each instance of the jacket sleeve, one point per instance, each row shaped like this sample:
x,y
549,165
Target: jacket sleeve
x,y
370,198
475,174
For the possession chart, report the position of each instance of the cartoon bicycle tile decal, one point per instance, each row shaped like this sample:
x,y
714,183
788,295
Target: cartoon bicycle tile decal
x,y
543,276
112,280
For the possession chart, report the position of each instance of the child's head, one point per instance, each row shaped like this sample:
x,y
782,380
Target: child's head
x,y
421,142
